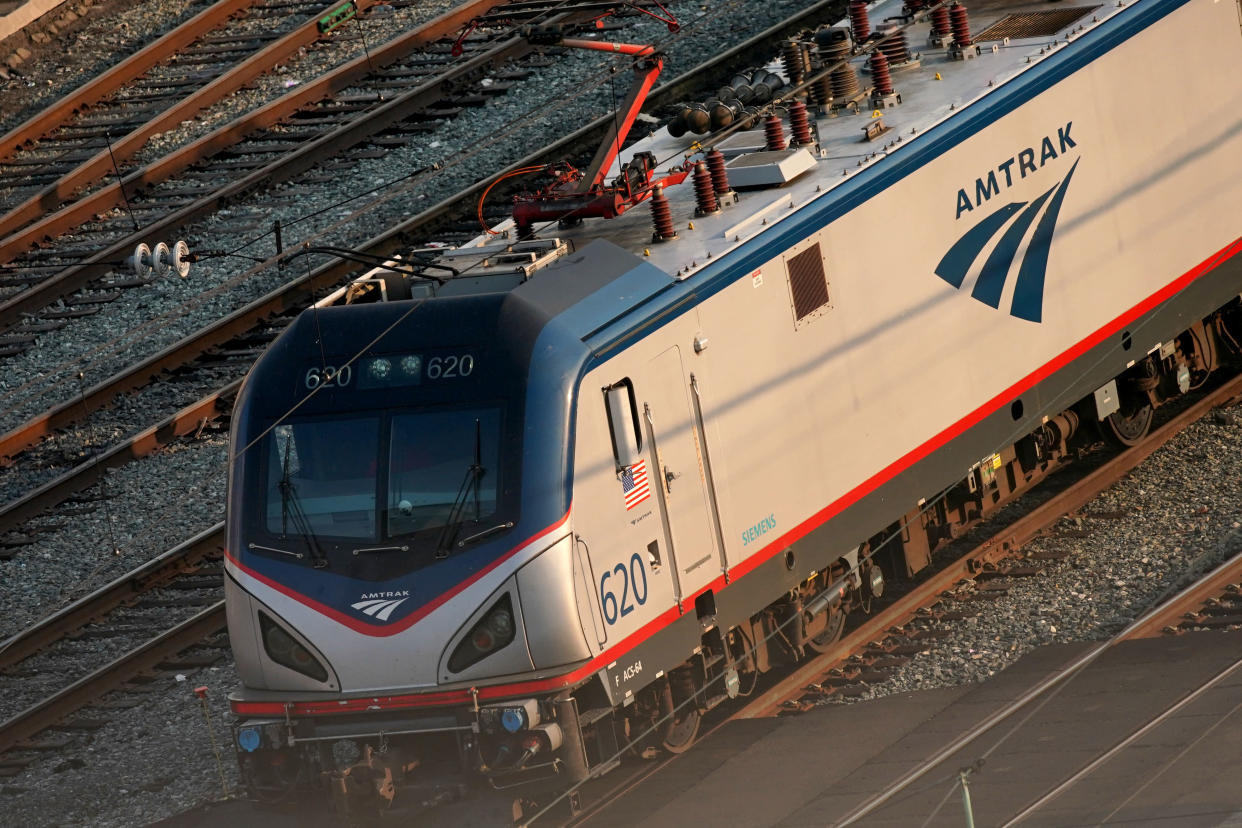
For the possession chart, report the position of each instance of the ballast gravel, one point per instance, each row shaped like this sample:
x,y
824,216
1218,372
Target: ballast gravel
x,y
1176,516
142,510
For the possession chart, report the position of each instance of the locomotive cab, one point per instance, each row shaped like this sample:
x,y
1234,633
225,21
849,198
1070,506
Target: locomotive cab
x,y
401,567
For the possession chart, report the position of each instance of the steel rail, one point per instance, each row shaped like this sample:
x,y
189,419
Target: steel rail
x,y
186,421
1209,586
114,195
183,558
102,86
297,293
100,164
1005,542
111,676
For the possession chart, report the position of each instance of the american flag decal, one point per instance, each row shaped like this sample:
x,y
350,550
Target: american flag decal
x,y
634,484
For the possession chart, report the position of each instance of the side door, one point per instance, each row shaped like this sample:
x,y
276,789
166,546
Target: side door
x,y
677,473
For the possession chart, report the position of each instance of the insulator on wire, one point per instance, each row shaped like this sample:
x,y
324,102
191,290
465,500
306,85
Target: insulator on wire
x,y
661,216
774,134
859,23
800,124
940,21
959,21
720,175
704,192
794,59
879,74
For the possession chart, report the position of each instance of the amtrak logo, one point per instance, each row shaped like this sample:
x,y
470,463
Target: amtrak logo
x,y
380,605
1028,291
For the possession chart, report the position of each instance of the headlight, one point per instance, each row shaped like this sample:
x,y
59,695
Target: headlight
x,y
287,652
412,365
491,633
379,368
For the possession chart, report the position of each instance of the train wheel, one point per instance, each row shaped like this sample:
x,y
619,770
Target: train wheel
x,y
823,642
681,731
1126,431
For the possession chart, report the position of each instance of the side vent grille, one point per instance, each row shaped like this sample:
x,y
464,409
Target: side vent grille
x,y
807,282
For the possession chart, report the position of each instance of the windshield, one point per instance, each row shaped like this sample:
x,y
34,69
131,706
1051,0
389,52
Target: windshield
x,y
326,477
432,456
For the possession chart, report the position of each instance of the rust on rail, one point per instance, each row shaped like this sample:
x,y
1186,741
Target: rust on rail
x,y
102,86
342,77
185,421
123,148
111,677
182,558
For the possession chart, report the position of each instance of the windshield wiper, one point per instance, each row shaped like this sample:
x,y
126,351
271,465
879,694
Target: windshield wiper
x,y
381,549
474,473
477,536
291,507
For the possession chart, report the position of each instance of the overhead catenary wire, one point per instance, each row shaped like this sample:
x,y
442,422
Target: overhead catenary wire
x,y
416,178
1039,693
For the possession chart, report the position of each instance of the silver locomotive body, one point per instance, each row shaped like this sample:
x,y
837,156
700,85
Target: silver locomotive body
x,y
643,474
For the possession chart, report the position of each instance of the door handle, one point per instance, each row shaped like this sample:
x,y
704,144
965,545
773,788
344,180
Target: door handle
x,y
669,477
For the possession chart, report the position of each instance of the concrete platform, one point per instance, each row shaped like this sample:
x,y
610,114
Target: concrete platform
x,y
815,768
15,16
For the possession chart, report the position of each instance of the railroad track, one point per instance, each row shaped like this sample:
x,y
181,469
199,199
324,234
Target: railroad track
x,y
1213,602
89,133
113,623
898,631
414,74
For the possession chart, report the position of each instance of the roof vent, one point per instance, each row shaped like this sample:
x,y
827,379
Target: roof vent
x,y
769,169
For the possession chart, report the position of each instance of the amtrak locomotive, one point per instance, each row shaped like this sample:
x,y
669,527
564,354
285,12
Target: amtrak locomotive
x,y
509,508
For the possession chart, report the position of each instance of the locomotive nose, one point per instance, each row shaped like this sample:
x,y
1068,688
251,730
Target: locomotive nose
x,y
540,606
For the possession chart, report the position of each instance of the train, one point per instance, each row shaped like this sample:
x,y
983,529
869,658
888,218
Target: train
x,y
508,511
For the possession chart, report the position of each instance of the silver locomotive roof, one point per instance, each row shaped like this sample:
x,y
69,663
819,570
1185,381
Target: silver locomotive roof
x,y
931,89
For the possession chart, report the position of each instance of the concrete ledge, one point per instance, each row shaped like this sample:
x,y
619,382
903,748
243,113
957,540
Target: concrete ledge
x,y
16,19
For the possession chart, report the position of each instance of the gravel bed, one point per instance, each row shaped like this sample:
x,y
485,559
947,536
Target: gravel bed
x,y
50,671
152,505
354,39
65,450
1178,515
147,763
346,43
101,42
168,309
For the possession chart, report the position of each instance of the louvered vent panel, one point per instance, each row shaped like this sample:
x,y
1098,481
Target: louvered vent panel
x,y
1033,24
807,282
